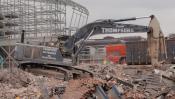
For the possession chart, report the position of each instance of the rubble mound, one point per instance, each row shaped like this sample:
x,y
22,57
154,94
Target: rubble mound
x,y
78,89
18,83
132,82
16,78
105,71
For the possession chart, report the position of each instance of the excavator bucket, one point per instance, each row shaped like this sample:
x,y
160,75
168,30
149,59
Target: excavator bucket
x,y
156,42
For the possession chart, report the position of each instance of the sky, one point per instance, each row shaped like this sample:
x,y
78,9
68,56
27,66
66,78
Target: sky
x,y
164,10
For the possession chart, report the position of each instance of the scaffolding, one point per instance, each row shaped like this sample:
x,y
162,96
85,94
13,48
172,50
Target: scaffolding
x,y
41,20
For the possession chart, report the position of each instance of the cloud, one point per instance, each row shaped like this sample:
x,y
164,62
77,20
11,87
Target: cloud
x,y
116,9
150,4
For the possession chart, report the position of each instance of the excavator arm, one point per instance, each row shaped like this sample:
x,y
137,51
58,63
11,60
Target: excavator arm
x,y
156,41
99,26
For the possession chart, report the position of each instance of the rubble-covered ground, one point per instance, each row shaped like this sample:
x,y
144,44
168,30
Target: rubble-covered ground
x,y
17,83
148,82
133,82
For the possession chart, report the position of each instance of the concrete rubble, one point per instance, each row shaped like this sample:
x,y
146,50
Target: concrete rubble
x,y
130,82
17,83
81,88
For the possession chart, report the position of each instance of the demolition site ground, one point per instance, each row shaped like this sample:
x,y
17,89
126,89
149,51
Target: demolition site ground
x,y
109,82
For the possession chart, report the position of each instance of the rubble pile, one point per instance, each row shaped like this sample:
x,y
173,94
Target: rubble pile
x,y
134,95
105,71
17,78
128,82
170,95
143,81
81,88
18,83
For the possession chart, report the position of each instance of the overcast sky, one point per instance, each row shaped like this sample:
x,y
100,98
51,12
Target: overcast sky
x,y
116,9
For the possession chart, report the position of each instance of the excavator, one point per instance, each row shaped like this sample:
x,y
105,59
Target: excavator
x,y
46,59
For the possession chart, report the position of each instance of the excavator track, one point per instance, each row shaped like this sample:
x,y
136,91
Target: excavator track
x,y
62,72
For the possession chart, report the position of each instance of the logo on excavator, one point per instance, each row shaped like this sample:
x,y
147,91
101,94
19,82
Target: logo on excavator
x,y
124,28
117,30
49,53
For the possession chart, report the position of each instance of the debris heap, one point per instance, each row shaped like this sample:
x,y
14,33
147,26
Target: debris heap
x,y
126,82
18,83
81,88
